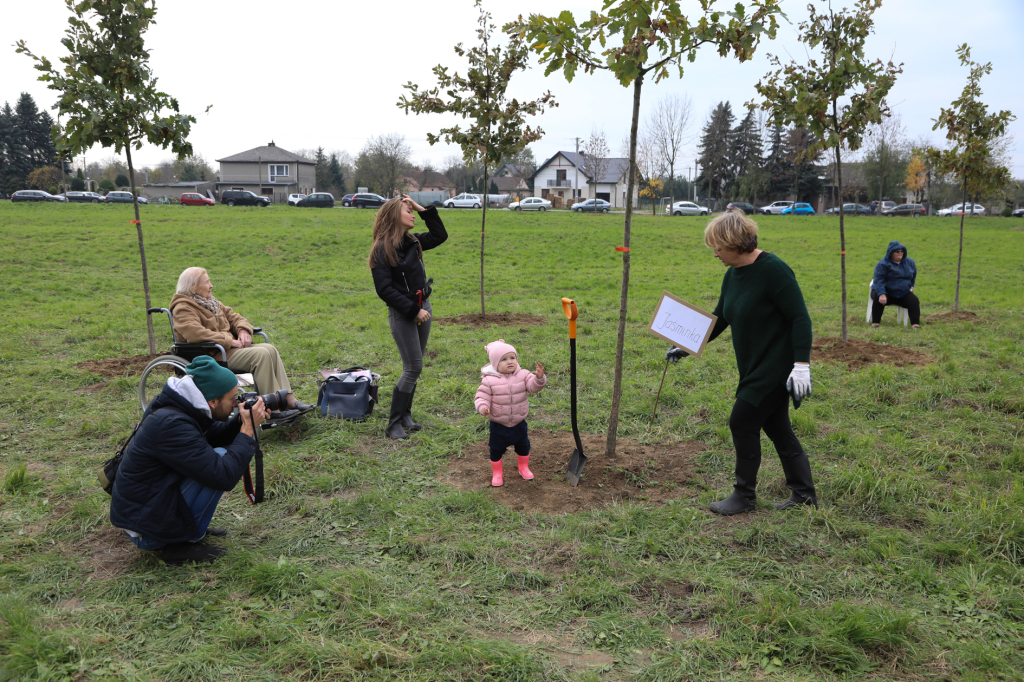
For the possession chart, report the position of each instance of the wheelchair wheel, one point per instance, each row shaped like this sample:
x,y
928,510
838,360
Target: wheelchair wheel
x,y
155,376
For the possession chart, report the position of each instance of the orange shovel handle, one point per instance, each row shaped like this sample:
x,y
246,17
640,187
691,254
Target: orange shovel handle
x,y
569,308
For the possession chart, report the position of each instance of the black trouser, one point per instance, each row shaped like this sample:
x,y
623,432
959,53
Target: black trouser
x,y
772,416
911,302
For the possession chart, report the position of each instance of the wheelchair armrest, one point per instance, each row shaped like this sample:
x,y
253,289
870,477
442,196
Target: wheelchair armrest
x,y
259,331
193,350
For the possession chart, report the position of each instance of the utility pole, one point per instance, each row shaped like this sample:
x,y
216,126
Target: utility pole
x,y
577,165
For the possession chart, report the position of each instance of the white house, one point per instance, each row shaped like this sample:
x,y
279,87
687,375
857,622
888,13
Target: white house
x,y
560,176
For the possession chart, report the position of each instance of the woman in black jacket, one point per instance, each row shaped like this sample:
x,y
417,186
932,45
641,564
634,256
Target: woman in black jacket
x,y
396,261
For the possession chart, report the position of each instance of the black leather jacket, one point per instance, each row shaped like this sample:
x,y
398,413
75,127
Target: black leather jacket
x,y
398,285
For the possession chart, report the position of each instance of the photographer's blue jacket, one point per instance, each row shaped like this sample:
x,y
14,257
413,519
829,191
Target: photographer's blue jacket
x,y
175,441
892,278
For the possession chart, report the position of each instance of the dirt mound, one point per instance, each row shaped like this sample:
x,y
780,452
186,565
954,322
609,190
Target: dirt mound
x,y
112,368
952,316
650,473
493,319
856,354
105,553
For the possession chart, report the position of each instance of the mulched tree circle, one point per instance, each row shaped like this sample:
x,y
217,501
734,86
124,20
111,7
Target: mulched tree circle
x,y
856,353
478,321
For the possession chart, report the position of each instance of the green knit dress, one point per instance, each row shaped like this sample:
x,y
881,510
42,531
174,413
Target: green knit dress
x,y
770,326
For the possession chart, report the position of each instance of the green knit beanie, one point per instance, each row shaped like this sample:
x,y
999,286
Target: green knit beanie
x,y
210,378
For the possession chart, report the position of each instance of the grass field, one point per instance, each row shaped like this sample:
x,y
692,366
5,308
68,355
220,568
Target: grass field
x,y
364,565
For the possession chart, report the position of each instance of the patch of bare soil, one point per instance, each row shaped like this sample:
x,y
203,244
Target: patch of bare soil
x,y
562,647
92,388
107,552
953,316
478,321
648,473
112,368
856,353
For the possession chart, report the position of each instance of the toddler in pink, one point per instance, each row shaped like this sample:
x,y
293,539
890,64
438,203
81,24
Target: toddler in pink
x,y
503,397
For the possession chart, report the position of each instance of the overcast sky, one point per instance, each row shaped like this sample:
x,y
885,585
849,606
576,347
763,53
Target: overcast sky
x,y
312,73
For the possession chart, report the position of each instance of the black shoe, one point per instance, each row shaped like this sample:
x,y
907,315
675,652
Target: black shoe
x,y
407,421
282,415
795,501
734,504
399,406
744,497
301,407
191,553
798,480
217,532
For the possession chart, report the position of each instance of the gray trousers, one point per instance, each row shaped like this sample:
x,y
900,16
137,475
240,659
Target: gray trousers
x,y
411,339
264,363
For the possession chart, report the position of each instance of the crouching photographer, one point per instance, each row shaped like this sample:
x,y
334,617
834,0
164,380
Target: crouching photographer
x,y
186,452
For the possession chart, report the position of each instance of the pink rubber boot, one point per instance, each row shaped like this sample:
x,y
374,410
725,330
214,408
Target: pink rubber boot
x,y
496,479
524,467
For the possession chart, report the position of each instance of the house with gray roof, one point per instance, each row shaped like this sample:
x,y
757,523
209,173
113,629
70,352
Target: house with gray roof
x,y
271,171
573,177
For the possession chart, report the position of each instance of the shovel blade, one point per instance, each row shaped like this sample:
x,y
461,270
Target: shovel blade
x,y
575,469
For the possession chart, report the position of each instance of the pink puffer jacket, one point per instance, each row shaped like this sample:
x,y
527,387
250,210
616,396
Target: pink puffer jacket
x,y
506,395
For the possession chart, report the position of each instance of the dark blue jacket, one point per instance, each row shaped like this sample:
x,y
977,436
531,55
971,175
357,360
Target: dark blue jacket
x,y
170,446
892,278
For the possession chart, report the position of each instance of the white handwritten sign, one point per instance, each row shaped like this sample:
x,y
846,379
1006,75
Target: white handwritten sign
x,y
682,324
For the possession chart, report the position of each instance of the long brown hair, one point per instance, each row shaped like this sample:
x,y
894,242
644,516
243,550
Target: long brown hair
x,y
388,233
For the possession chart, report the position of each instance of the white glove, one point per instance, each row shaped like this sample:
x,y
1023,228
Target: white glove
x,y
799,383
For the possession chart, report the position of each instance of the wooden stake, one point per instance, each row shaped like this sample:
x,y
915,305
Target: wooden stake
x,y
658,397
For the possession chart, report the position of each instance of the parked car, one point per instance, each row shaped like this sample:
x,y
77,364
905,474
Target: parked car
x,y
1019,213
294,199
877,209
530,204
195,199
961,208
165,200
912,210
317,200
686,208
243,197
35,195
122,198
748,209
593,206
464,201
776,207
798,209
347,200
368,200
84,197
850,209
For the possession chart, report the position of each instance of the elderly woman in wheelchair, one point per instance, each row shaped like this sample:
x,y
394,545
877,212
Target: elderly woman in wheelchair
x,y
202,325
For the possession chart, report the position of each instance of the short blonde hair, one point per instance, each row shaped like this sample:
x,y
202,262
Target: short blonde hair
x,y
189,280
731,230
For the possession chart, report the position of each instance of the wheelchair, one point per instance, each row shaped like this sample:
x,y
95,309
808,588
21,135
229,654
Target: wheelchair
x,y
156,373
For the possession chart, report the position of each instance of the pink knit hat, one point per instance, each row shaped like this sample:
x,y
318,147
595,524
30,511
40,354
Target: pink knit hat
x,y
495,349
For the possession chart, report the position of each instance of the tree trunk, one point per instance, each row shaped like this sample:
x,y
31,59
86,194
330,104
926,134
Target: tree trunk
x,y
613,418
142,250
483,230
671,187
960,255
842,236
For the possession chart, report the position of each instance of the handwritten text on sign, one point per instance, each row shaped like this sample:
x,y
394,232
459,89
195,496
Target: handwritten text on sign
x,y
682,324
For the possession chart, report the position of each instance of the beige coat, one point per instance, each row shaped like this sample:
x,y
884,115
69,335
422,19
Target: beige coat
x,y
193,323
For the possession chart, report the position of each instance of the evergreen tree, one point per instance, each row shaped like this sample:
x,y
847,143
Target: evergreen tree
x,y
799,148
777,165
32,129
716,169
746,157
321,173
336,175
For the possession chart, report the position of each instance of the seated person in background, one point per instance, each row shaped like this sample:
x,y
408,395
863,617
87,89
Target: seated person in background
x,y
198,316
173,472
894,285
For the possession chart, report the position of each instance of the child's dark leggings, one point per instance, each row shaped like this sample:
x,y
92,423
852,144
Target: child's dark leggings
x,y
503,436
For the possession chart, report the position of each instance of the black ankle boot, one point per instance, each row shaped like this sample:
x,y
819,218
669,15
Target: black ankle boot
x,y
407,422
399,406
798,479
744,497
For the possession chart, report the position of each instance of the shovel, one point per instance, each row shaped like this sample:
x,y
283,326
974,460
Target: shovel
x,y
578,459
